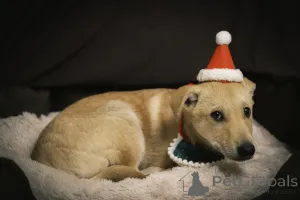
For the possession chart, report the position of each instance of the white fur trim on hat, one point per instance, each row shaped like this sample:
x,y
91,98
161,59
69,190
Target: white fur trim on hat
x,y
231,75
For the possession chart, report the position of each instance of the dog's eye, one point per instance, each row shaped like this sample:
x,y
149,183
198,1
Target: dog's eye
x,y
217,115
247,112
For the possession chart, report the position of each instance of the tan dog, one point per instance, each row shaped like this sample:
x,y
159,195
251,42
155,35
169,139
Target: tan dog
x,y
116,135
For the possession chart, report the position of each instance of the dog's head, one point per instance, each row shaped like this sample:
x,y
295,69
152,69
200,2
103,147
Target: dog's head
x,y
218,115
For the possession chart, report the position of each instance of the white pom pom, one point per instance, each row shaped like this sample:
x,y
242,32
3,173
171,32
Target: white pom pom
x,y
223,37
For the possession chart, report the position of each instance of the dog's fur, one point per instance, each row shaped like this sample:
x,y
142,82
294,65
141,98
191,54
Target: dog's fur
x,y
118,134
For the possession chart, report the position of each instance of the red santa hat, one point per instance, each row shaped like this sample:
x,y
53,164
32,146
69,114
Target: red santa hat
x,y
221,67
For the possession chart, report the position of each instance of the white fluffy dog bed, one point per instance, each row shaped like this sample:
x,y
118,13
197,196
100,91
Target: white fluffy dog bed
x,y
18,135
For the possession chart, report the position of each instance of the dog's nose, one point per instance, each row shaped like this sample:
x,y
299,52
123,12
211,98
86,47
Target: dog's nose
x,y
246,150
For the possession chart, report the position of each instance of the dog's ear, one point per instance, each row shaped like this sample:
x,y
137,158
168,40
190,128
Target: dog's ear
x,y
251,86
183,96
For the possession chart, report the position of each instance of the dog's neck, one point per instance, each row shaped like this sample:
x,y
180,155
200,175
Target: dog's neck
x,y
185,137
188,134
208,153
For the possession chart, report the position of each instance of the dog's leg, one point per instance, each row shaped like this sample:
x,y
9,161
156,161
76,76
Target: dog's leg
x,y
123,146
119,172
108,146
